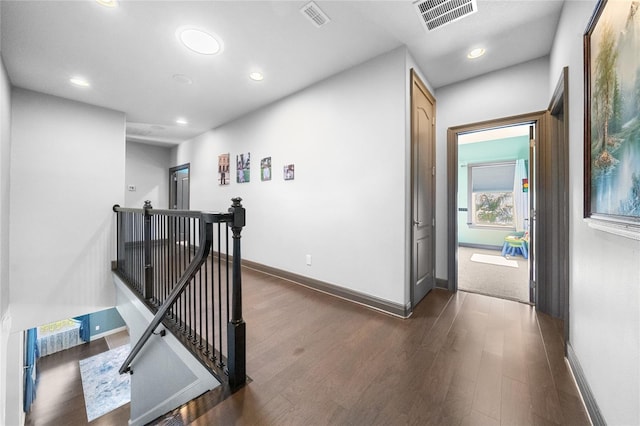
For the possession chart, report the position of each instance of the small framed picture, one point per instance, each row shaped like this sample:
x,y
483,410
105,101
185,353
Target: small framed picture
x,y
223,169
243,167
289,172
265,169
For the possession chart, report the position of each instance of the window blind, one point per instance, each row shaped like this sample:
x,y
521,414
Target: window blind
x,y
497,177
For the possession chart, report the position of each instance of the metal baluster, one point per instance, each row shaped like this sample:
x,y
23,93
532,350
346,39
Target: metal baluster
x,y
213,308
221,363
206,296
202,309
183,317
227,268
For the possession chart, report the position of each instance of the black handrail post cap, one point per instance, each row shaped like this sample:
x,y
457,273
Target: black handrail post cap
x,y
239,216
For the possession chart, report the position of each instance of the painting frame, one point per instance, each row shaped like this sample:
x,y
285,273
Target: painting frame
x,y
289,172
606,63
265,169
243,167
224,169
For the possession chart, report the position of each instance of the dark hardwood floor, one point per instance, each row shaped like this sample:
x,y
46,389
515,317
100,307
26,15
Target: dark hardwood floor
x,y
60,399
313,359
462,359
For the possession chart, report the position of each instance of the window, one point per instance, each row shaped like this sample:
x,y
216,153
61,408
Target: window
x,y
490,192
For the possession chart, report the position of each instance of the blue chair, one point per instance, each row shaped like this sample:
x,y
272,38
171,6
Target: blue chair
x,y
516,245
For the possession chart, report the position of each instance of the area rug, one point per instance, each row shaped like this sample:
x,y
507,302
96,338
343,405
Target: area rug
x,y
493,260
105,389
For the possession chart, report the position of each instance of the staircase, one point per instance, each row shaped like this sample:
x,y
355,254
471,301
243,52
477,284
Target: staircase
x,y
174,274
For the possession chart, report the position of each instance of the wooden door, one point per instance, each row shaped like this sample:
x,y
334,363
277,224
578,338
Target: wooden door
x,y
423,190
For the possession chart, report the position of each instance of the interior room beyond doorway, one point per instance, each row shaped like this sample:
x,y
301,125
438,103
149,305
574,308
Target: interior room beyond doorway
x,y
493,212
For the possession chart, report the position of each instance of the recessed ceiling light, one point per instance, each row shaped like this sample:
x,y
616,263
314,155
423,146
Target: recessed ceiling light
x,y
182,121
476,53
108,3
199,40
256,76
79,81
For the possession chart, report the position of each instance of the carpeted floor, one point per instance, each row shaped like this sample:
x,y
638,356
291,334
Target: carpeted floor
x,y
504,281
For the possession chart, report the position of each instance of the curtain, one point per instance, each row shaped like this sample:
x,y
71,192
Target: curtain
x,y
85,327
30,355
521,197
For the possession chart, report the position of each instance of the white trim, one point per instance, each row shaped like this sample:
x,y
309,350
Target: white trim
x,y
621,229
108,333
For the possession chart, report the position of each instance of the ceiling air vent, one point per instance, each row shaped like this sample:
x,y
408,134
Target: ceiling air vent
x,y
136,131
436,13
315,14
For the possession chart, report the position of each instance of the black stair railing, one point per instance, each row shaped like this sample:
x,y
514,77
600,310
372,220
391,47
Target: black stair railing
x,y
177,262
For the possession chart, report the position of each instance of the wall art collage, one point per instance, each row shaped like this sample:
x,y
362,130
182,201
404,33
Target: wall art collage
x,y
243,169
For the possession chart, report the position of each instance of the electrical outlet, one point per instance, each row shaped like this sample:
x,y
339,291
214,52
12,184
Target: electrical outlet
x,y
308,260
97,327
132,188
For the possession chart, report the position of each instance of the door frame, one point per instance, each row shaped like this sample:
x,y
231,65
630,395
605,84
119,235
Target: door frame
x,y
540,120
559,135
551,219
172,191
416,80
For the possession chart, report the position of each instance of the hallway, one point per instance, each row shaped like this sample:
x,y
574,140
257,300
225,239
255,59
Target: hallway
x,y
462,359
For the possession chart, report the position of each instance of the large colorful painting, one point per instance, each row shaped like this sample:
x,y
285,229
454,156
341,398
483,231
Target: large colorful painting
x,y
612,113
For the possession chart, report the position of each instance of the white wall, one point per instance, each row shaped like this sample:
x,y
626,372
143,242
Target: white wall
x,y
605,268
5,157
14,414
512,91
5,161
346,206
67,171
148,169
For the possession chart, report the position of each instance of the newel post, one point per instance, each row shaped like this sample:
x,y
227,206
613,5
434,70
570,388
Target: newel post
x,y
236,328
148,268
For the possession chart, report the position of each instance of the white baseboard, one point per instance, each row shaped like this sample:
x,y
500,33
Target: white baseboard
x,y
108,333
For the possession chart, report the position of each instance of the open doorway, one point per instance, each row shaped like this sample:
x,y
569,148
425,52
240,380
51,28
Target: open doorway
x,y
518,243
493,211
179,187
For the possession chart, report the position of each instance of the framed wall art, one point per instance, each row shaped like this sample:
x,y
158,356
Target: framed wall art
x,y
289,172
223,169
612,114
243,167
265,169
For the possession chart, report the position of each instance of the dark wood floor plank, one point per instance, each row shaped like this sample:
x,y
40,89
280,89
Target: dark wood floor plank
x,y
515,407
488,394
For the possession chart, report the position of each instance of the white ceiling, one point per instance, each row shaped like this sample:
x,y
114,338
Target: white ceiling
x,y
131,53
